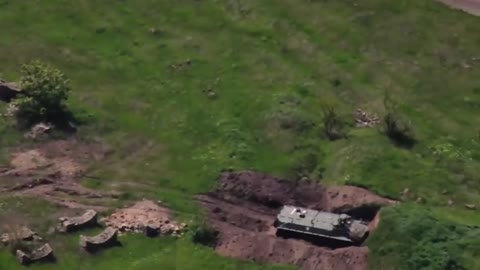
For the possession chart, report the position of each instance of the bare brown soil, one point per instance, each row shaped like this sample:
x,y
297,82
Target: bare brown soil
x,y
244,206
51,170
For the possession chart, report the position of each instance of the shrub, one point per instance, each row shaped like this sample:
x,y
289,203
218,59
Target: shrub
x,y
417,239
332,124
305,165
203,234
44,92
397,127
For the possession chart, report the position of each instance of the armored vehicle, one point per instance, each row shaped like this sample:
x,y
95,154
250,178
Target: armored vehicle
x,y
320,226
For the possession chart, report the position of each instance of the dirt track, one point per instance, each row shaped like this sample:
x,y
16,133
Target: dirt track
x,y
243,210
51,170
469,6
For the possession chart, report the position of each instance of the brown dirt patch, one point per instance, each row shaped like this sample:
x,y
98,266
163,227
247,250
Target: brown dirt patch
x,y
51,170
243,210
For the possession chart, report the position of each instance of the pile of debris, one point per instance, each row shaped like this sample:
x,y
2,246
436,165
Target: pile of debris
x,y
20,234
43,253
145,217
69,224
39,130
18,237
179,66
365,119
10,111
105,239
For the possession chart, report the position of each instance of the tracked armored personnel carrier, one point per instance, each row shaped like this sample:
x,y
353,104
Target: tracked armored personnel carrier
x,y
337,229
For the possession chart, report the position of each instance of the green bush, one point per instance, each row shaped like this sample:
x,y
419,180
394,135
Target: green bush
x,y
415,239
44,92
203,234
397,126
333,126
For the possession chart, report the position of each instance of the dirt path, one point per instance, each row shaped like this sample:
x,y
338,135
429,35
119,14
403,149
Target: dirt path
x,y
469,6
244,207
51,171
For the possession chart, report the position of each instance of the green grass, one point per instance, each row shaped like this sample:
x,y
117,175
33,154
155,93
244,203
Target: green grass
x,y
271,63
426,241
139,253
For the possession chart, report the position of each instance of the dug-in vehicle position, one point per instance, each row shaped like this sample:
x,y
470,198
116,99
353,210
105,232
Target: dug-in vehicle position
x,y
322,227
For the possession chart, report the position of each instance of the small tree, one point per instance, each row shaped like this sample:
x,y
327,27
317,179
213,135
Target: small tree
x,y
44,92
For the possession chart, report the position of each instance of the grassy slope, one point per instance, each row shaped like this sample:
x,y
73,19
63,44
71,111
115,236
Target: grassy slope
x,y
269,62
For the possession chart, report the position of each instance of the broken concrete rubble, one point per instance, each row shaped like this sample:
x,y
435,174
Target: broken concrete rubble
x,y
105,239
38,130
22,234
69,224
42,253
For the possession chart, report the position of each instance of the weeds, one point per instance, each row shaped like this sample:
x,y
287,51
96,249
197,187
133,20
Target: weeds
x,y
397,127
205,235
333,126
13,238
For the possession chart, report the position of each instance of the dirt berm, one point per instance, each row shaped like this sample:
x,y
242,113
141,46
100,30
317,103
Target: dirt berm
x,y
244,206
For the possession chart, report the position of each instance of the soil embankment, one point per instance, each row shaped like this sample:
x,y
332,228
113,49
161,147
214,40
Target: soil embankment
x,y
244,206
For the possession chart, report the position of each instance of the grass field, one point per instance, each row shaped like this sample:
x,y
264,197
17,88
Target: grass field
x,y
272,64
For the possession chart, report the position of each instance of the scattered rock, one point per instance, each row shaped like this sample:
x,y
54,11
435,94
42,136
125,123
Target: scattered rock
x,y
466,65
153,31
450,202
471,206
365,119
23,234
405,193
10,111
39,130
181,66
211,94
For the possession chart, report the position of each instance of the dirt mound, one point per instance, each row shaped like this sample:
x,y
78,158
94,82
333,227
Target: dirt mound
x,y
142,214
275,192
265,248
50,171
244,207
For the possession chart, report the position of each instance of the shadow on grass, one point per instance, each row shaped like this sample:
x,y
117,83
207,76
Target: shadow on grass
x,y
95,250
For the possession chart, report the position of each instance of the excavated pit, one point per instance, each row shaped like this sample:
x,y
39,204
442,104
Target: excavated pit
x,y
244,207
